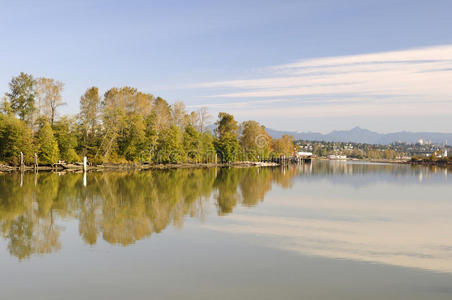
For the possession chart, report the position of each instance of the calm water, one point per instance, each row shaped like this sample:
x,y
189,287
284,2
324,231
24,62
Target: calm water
x,y
326,230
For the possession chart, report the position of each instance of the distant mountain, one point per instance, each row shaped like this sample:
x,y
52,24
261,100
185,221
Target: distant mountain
x,y
359,135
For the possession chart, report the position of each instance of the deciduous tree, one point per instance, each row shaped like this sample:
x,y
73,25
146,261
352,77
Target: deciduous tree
x,y
179,115
283,146
47,144
254,140
66,138
89,121
226,125
192,143
48,93
162,114
15,137
169,146
204,118
132,139
226,144
22,96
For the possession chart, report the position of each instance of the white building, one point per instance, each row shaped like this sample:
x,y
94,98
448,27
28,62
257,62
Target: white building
x,y
304,154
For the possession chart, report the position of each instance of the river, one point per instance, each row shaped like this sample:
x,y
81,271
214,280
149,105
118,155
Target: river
x,y
322,230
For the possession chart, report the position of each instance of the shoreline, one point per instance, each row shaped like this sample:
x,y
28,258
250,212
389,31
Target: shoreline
x,y
242,164
381,161
131,166
437,163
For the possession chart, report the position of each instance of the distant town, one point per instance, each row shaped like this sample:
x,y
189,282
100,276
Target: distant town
x,y
395,151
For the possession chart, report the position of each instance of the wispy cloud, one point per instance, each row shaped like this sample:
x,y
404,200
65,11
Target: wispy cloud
x,y
409,82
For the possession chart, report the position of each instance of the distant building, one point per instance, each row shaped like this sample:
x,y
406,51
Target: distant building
x,y
420,142
304,154
442,155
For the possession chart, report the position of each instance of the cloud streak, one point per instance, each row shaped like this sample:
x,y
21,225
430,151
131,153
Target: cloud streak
x,y
409,82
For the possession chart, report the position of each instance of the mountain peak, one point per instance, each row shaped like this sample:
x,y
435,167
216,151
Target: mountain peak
x,y
359,129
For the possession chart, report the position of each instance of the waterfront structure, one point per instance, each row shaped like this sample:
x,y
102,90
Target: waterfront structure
x,y
303,154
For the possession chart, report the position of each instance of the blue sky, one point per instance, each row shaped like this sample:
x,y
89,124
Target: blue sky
x,y
295,65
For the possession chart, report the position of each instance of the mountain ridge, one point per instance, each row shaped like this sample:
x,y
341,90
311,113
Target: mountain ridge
x,y
360,135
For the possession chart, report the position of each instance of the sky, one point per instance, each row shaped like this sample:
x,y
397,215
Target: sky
x,y
306,65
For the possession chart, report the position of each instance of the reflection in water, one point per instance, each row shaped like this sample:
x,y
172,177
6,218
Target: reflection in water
x,y
120,207
367,212
359,174
391,218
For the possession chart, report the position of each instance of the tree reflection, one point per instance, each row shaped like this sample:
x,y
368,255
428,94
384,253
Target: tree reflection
x,y
121,207
254,184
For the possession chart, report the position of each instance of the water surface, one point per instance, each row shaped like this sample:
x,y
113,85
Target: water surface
x,y
326,230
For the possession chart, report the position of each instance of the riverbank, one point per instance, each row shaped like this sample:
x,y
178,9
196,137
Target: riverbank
x,y
380,161
414,162
431,162
131,166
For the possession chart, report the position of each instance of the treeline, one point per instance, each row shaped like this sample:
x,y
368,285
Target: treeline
x,y
122,125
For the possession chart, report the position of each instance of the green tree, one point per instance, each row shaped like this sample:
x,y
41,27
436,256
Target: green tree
x,y
151,135
67,141
119,107
89,122
226,125
15,137
227,148
114,120
169,146
47,144
226,144
6,106
22,96
132,140
192,143
207,146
